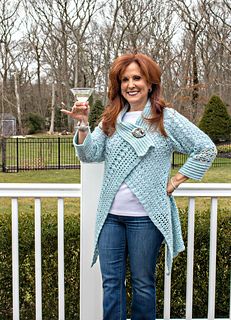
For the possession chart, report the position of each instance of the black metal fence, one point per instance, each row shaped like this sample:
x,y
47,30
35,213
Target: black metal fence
x,y
222,159
19,154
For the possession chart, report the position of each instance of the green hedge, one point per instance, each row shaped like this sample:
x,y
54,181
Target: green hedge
x,y
49,268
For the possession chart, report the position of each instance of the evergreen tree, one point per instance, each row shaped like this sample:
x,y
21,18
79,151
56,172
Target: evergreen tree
x,y
35,123
61,120
95,113
216,122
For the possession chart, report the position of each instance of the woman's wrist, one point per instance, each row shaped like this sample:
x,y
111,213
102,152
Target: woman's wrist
x,y
83,126
173,183
177,180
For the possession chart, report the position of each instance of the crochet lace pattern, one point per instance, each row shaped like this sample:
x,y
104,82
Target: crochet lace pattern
x,y
144,164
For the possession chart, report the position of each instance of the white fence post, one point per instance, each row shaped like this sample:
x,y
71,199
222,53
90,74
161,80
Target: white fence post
x,y
167,291
38,259
15,259
61,259
212,259
90,278
190,259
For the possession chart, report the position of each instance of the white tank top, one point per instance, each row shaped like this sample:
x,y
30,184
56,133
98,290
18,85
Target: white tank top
x,y
125,202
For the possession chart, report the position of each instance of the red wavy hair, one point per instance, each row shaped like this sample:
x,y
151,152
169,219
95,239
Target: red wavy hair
x,y
151,71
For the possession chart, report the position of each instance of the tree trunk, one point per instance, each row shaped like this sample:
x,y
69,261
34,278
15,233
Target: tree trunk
x,y
76,78
195,92
51,131
18,101
39,85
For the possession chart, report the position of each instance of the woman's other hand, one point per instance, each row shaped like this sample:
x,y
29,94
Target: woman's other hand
x,y
170,188
174,183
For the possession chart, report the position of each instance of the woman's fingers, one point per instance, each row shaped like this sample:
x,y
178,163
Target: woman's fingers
x,y
65,111
79,110
170,189
72,114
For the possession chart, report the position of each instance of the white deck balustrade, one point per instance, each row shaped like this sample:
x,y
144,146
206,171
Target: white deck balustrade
x,y
90,281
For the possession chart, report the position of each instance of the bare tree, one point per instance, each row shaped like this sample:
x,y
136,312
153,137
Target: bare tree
x,y
214,47
8,26
36,42
79,23
194,24
65,23
73,42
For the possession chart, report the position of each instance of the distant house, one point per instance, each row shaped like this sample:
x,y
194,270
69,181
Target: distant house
x,y
7,125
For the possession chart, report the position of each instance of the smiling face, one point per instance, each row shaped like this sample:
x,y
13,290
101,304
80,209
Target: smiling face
x,y
134,87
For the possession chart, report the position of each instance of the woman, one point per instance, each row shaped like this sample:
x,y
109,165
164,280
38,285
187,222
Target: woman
x,y
136,211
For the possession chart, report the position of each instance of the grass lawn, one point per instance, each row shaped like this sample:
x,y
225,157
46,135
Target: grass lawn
x,y
217,174
47,176
42,176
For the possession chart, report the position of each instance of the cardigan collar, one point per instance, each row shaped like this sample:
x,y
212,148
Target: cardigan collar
x,y
137,135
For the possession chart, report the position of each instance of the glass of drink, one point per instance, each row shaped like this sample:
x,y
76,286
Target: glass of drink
x,y
82,95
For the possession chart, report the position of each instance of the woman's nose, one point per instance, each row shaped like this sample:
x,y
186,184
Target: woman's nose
x,y
131,83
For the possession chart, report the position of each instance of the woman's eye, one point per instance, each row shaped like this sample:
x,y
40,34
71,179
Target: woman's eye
x,y
137,77
124,79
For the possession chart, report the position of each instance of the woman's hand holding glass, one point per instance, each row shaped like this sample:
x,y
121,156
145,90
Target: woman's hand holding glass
x,y
80,111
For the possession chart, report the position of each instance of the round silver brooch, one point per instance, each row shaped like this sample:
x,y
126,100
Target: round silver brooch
x,y
138,132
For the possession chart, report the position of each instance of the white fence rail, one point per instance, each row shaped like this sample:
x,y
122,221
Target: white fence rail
x,y
90,281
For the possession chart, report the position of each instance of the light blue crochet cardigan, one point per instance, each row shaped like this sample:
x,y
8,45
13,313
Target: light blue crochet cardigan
x,y
144,164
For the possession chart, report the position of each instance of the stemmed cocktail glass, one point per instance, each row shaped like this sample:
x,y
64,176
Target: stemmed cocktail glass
x,y
81,95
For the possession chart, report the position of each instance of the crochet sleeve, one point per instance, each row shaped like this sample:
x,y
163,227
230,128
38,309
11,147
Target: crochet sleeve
x,y
92,149
185,137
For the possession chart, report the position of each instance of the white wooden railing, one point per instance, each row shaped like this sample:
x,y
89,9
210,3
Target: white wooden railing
x,y
90,281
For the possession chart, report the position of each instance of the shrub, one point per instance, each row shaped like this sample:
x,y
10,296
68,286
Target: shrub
x,y
35,123
96,111
216,121
49,267
72,256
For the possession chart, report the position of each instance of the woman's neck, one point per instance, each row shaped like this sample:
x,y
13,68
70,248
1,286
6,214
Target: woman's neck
x,y
135,108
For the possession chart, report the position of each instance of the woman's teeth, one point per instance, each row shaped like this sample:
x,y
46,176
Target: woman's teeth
x,y
132,93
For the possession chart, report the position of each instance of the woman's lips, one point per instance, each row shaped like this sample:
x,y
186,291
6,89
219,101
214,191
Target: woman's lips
x,y
132,93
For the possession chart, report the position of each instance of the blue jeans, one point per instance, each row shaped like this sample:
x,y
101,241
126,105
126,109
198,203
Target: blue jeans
x,y
140,240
